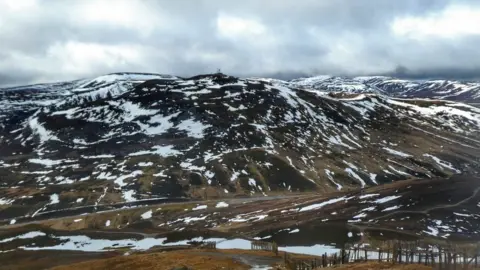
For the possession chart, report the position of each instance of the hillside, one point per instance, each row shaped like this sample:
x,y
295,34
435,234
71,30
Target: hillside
x,y
129,138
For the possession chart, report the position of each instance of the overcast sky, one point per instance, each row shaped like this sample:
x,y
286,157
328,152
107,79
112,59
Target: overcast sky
x,y
54,40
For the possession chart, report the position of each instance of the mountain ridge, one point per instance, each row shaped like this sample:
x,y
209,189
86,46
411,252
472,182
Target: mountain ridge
x,y
455,90
466,91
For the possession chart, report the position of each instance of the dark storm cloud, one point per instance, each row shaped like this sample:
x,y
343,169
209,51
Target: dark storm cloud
x,y
48,40
15,79
452,74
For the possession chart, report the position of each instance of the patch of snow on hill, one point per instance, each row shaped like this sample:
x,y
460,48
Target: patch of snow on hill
x,y
43,134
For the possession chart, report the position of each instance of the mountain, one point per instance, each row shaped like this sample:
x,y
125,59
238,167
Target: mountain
x,y
436,89
335,84
127,138
24,99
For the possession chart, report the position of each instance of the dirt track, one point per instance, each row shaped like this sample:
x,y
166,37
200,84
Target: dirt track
x,y
248,259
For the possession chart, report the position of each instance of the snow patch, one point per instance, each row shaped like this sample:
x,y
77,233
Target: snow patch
x,y
397,153
200,207
443,163
54,199
221,205
28,235
147,215
387,199
322,204
354,175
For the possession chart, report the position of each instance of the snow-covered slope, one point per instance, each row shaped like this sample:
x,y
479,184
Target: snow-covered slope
x,y
217,135
26,99
436,89
335,84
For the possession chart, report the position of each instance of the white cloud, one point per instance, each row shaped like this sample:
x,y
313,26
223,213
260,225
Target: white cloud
x,y
73,60
453,22
78,57
130,14
346,53
52,40
234,27
18,5
249,35
15,11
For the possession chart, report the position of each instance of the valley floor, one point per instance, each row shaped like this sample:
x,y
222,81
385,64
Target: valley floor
x,y
192,259
309,224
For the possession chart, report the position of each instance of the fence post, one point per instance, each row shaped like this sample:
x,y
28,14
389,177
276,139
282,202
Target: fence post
x,y
448,257
439,258
454,261
400,255
426,256
394,254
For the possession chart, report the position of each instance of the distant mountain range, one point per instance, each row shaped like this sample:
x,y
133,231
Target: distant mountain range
x,y
466,91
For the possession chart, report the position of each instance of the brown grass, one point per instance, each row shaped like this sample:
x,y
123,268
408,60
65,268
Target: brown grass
x,y
383,266
45,259
260,253
158,261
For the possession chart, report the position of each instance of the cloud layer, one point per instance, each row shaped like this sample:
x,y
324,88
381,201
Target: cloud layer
x,y
54,40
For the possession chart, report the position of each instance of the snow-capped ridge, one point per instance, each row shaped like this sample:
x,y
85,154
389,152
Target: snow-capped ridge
x,y
438,89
